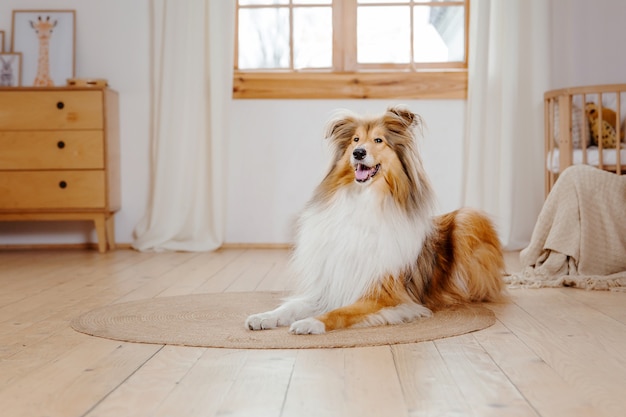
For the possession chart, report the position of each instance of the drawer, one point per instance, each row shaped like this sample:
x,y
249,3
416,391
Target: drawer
x,y
70,149
63,109
52,190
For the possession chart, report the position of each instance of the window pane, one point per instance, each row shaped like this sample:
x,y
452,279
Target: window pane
x,y
261,2
312,1
382,1
313,37
263,38
383,34
397,1
439,34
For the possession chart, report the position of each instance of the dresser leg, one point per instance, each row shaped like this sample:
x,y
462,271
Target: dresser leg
x,y
110,230
100,223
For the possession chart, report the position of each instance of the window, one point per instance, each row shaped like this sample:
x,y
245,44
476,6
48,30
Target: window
x,y
351,49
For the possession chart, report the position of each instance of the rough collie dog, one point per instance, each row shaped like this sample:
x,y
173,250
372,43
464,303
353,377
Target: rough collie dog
x,y
368,250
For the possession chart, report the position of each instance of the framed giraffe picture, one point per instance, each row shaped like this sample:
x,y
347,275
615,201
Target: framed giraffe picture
x,y
47,41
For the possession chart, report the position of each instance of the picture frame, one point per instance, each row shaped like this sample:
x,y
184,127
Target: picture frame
x,y
10,69
1,41
47,41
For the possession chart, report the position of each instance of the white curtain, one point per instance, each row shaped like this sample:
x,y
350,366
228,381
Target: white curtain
x,y
509,70
191,83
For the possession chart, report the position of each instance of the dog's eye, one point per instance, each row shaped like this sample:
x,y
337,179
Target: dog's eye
x,y
378,140
356,139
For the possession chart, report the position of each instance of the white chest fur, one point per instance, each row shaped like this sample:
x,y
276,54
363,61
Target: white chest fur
x,y
345,247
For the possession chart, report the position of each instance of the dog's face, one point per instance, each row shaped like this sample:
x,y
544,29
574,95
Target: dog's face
x,y
370,153
375,147
378,152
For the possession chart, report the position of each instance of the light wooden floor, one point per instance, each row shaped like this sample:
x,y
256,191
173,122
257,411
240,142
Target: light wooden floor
x,y
551,353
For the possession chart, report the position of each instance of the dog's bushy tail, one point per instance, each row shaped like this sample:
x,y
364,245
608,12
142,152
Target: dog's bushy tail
x,y
461,262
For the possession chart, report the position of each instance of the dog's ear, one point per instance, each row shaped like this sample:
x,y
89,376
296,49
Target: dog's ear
x,y
401,117
410,119
342,125
340,130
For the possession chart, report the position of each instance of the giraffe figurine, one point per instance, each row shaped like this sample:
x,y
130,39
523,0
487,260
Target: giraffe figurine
x,y
43,29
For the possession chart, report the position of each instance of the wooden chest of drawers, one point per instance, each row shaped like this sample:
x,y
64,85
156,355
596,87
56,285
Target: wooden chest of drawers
x,y
59,156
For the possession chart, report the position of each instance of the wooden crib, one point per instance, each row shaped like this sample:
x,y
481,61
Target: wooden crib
x,y
569,138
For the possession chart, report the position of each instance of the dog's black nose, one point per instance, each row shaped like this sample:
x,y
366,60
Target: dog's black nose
x,y
359,153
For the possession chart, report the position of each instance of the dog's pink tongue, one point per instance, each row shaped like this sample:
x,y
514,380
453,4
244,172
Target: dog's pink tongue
x,y
362,172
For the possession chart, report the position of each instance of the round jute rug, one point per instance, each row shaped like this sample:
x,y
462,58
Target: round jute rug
x,y
217,320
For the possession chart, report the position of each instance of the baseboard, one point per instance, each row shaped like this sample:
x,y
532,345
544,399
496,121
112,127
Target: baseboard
x,y
128,246
282,246
60,246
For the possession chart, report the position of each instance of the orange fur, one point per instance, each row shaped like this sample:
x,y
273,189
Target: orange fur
x,y
389,293
461,262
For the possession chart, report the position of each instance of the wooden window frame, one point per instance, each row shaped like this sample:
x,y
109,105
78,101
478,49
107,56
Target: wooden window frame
x,y
349,80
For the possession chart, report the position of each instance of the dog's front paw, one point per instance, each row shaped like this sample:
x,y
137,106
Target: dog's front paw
x,y
308,326
262,321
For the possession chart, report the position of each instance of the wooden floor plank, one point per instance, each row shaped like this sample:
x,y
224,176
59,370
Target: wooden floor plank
x,y
91,384
568,347
71,383
483,385
26,359
261,385
186,277
46,271
61,288
205,387
145,390
428,386
181,282
609,303
280,277
258,266
318,384
345,382
587,330
43,314
545,389
219,282
370,375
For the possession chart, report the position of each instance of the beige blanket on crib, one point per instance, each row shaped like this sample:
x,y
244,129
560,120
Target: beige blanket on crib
x,y
580,236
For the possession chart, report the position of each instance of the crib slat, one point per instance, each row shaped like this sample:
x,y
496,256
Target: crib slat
x,y
548,145
565,141
599,129
618,132
585,131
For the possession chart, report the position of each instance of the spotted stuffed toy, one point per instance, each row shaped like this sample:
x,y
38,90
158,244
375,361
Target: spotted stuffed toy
x,y
606,125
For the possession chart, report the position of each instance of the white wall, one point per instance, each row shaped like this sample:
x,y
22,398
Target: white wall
x,y
275,154
588,42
